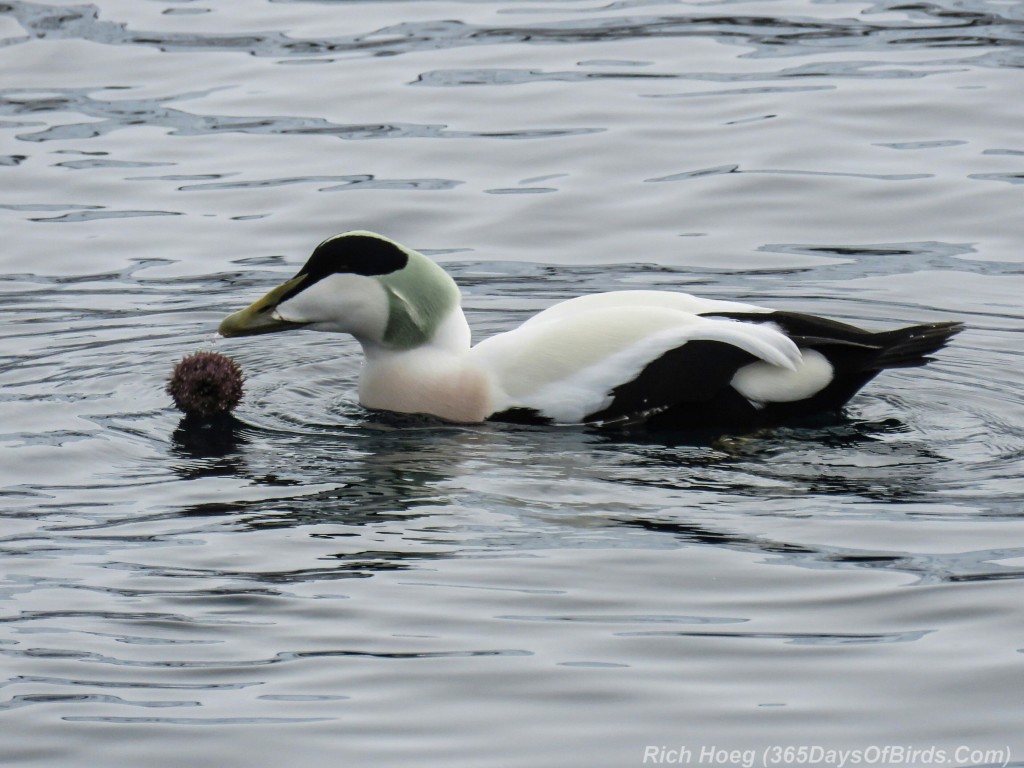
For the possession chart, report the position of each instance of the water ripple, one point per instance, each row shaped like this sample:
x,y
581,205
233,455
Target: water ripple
x,y
929,25
124,113
55,698
335,183
798,638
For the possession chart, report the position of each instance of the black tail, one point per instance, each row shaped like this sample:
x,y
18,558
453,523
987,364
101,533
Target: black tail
x,y
911,347
856,355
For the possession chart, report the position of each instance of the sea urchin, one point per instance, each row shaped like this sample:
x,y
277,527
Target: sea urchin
x,y
206,384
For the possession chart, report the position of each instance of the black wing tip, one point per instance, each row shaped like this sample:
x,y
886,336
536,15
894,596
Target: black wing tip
x,y
913,346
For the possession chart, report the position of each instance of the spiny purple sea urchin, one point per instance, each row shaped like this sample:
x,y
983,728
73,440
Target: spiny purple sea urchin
x,y
206,384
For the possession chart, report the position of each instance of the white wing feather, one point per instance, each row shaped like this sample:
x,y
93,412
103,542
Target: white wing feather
x,y
681,302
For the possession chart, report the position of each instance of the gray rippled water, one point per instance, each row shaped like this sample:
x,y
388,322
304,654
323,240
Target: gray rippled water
x,y
316,584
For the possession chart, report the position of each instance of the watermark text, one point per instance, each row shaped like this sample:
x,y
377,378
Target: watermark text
x,y
824,757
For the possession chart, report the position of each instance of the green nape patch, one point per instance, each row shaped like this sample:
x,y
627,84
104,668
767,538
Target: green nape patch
x,y
420,296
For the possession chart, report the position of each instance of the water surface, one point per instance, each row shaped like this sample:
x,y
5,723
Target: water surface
x,y
322,584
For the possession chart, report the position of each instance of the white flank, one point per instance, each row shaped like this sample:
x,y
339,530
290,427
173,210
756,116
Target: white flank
x,y
762,383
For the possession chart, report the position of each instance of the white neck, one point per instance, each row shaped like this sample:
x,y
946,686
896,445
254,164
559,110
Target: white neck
x,y
435,378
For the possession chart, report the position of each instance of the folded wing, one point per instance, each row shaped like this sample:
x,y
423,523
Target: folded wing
x,y
622,362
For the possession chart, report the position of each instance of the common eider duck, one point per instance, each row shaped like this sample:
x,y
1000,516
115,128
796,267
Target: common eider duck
x,y
622,358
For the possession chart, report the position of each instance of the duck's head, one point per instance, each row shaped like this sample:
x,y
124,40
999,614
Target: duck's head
x,y
359,283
